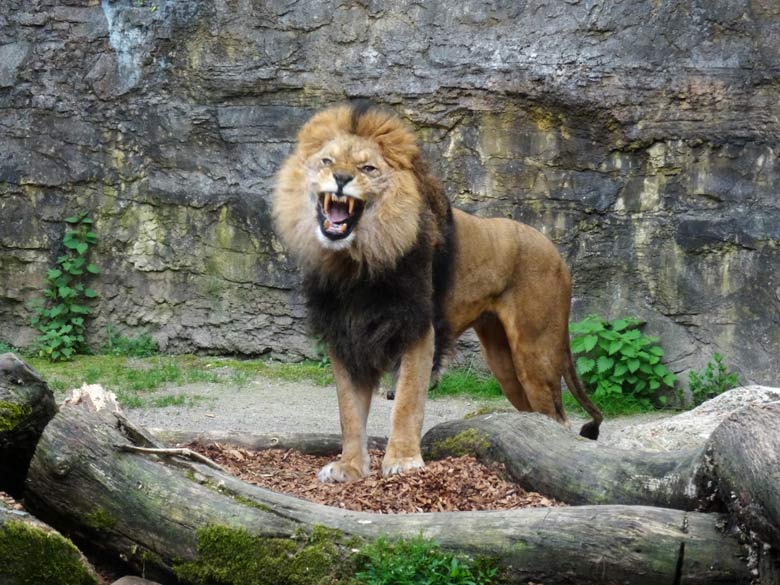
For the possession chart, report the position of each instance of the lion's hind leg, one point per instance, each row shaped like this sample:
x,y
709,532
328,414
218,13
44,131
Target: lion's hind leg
x,y
537,358
354,403
498,356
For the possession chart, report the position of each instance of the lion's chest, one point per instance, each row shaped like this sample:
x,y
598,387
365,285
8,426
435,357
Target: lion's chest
x,y
369,324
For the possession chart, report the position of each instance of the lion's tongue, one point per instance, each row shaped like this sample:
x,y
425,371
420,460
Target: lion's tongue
x,y
338,213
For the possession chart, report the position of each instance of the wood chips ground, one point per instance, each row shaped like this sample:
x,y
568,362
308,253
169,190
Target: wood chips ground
x,y
452,484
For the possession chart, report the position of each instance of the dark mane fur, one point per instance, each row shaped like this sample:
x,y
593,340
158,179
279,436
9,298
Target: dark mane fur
x,y
369,323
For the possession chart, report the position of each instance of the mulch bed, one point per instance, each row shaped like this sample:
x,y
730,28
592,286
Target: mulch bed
x,y
452,484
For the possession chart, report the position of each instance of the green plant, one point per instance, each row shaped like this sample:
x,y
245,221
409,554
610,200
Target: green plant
x,y
118,344
416,562
60,315
323,358
465,382
6,348
713,380
617,360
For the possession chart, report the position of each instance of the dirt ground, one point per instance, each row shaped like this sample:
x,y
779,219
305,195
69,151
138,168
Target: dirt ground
x,y
271,406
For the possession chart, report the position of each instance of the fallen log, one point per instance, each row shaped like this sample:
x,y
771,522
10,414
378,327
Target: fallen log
x,y
32,552
171,516
743,461
541,455
26,406
311,443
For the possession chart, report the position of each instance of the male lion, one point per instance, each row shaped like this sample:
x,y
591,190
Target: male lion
x,y
393,275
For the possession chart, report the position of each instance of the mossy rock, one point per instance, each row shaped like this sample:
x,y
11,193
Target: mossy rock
x,y
32,554
468,442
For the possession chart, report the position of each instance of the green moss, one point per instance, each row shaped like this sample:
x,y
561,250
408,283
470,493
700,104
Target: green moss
x,y
488,409
468,442
231,556
12,415
99,519
31,556
250,503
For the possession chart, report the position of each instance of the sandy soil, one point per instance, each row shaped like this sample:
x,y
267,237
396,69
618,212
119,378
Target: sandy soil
x,y
274,406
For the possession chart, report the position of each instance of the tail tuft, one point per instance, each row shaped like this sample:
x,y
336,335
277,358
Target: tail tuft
x,y
590,430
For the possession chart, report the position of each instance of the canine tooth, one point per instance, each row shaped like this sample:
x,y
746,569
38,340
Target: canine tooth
x,y
342,228
326,202
326,224
351,206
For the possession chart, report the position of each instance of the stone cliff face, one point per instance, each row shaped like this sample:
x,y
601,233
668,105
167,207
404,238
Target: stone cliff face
x,y
641,136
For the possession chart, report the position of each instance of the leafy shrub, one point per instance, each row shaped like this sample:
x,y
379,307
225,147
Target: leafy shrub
x,y
618,360
713,380
6,348
418,561
323,358
60,315
118,344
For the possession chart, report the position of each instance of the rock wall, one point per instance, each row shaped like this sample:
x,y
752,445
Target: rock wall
x,y
641,136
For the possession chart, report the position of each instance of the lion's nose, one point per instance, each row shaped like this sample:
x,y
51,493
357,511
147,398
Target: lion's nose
x,y
342,179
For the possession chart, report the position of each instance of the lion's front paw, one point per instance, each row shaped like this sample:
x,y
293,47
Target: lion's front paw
x,y
395,465
339,472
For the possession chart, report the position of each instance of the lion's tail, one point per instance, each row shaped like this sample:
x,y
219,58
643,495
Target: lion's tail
x,y
589,430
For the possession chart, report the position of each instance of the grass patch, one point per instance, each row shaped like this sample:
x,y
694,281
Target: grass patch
x,y
466,383
306,371
408,562
176,400
615,405
135,379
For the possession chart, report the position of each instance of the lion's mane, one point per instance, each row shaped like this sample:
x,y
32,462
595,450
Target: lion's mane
x,y
373,299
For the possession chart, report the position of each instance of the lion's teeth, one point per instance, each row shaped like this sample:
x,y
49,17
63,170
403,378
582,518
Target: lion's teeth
x,y
342,228
351,206
326,202
326,224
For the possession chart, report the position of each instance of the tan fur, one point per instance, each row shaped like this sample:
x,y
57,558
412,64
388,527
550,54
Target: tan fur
x,y
509,284
513,288
388,228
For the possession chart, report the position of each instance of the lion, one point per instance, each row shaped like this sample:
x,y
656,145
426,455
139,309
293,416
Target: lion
x,y
392,275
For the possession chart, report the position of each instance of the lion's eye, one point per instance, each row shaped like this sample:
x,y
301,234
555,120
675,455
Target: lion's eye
x,y
368,168
326,162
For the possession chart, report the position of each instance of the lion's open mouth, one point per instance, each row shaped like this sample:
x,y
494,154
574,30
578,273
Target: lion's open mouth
x,y
338,214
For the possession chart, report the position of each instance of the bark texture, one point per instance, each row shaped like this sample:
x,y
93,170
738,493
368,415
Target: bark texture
x,y
153,511
744,455
541,455
26,406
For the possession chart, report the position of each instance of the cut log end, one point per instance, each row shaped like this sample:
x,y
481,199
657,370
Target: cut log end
x,y
26,406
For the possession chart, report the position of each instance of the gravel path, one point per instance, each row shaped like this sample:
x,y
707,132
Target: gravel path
x,y
274,406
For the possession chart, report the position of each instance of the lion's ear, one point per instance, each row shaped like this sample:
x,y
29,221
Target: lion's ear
x,y
323,127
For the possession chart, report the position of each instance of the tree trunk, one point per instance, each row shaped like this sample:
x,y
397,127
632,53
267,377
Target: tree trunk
x,y
163,513
32,552
26,406
311,443
743,456
543,456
